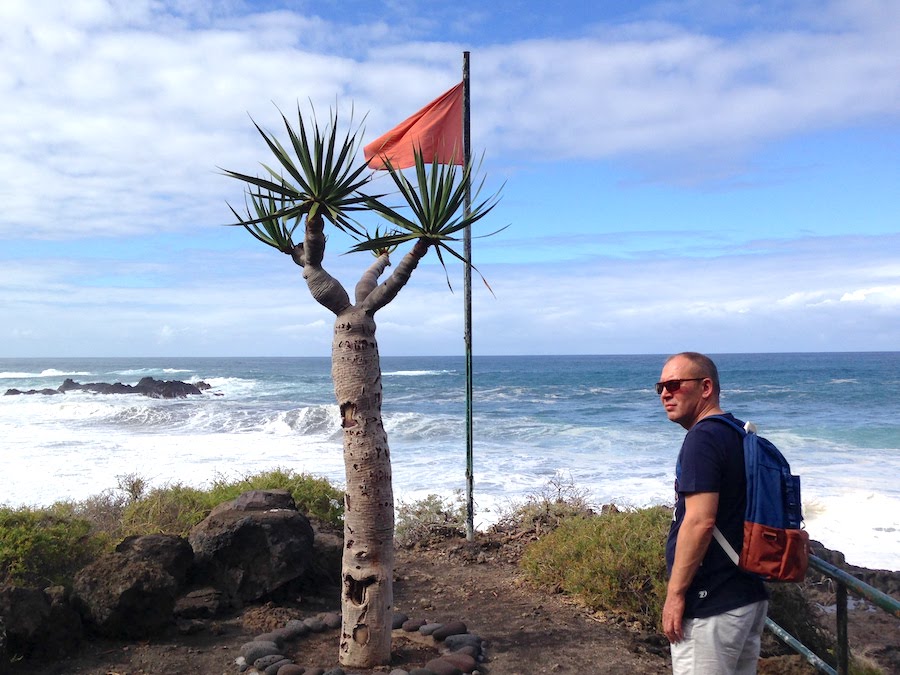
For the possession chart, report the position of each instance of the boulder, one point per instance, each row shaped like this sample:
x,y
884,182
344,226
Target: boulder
x,y
253,546
174,554
38,623
121,596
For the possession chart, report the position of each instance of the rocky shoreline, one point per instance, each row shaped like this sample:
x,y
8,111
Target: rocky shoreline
x,y
147,386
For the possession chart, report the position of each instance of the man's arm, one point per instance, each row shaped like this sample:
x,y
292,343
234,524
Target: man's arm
x,y
693,539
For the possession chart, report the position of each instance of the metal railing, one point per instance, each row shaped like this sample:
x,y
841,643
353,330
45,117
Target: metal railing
x,y
844,581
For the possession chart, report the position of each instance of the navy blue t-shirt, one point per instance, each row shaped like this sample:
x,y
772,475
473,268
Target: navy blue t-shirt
x,y
711,459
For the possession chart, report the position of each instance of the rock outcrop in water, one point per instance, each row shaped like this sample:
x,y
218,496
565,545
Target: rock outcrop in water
x,y
147,386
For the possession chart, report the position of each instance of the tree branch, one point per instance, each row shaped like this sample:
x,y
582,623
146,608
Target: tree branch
x,y
369,279
389,288
324,288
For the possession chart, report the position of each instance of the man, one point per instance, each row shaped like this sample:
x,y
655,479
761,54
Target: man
x,y
714,612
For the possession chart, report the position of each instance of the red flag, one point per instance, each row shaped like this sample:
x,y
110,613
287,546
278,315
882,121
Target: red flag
x,y
436,130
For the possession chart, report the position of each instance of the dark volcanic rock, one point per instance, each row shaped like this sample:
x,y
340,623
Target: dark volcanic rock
x,y
119,596
147,386
39,624
250,550
174,554
17,392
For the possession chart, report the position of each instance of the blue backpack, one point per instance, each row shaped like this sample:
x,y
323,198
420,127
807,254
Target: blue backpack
x,y
774,546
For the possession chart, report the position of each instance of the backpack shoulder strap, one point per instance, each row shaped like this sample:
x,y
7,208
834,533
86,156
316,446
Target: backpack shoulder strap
x,y
733,425
717,533
723,542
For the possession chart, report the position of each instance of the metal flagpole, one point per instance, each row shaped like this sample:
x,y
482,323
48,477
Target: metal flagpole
x,y
467,293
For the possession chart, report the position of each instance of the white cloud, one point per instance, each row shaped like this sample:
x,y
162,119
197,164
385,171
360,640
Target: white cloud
x,y
120,114
882,295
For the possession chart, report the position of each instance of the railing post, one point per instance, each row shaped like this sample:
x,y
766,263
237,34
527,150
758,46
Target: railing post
x,y
843,642
843,581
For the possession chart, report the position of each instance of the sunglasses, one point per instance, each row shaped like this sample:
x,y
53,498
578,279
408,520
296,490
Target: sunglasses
x,y
672,386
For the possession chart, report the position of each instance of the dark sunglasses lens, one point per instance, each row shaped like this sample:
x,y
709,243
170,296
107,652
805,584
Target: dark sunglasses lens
x,y
670,386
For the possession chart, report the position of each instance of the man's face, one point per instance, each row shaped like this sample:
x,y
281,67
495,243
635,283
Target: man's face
x,y
683,405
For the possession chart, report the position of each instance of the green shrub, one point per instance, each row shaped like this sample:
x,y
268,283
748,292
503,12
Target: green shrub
x,y
613,562
313,496
176,508
172,509
40,547
44,547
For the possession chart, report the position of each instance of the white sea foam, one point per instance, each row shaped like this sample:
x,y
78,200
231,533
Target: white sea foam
x,y
414,373
862,524
49,372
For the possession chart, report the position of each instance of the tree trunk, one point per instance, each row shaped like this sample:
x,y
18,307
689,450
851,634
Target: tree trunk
x,y
368,562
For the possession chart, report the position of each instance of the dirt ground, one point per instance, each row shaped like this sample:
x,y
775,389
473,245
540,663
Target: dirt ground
x,y
527,631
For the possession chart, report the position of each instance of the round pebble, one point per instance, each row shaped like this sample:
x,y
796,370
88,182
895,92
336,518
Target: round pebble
x,y
398,671
291,669
275,667
315,624
471,650
264,662
270,637
455,642
412,625
429,628
335,671
398,619
254,650
462,661
448,629
295,628
332,619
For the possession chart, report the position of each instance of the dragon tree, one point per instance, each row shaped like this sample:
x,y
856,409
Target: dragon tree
x,y
317,182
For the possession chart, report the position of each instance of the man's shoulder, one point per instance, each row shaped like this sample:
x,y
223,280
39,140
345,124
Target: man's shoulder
x,y
716,424
714,432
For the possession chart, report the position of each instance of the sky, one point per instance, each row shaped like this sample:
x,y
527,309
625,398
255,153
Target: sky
x,y
710,175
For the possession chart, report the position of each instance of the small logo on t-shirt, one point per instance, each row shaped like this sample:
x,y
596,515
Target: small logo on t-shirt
x,y
701,594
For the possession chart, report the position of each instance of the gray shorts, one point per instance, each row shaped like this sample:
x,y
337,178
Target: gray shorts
x,y
724,644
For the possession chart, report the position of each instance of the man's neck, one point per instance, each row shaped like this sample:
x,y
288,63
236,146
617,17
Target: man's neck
x,y
706,412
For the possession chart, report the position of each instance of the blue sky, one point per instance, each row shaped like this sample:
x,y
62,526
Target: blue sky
x,y
720,176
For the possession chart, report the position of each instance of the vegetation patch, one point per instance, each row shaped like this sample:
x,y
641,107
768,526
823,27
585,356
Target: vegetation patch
x,y
432,518
44,547
612,563
41,547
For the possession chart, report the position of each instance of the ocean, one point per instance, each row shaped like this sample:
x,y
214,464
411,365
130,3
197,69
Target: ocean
x,y
541,423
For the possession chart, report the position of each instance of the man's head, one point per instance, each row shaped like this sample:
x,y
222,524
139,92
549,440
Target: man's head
x,y
689,388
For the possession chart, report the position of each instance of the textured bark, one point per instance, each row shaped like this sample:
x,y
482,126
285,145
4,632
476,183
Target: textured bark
x,y
368,560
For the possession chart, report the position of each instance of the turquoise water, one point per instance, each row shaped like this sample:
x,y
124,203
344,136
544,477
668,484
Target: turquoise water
x,y
591,420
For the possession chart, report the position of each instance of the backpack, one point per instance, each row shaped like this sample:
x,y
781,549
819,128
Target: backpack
x,y
775,547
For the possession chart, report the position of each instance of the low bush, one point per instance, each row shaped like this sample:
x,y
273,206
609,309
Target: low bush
x,y
613,562
176,508
425,520
559,501
44,547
